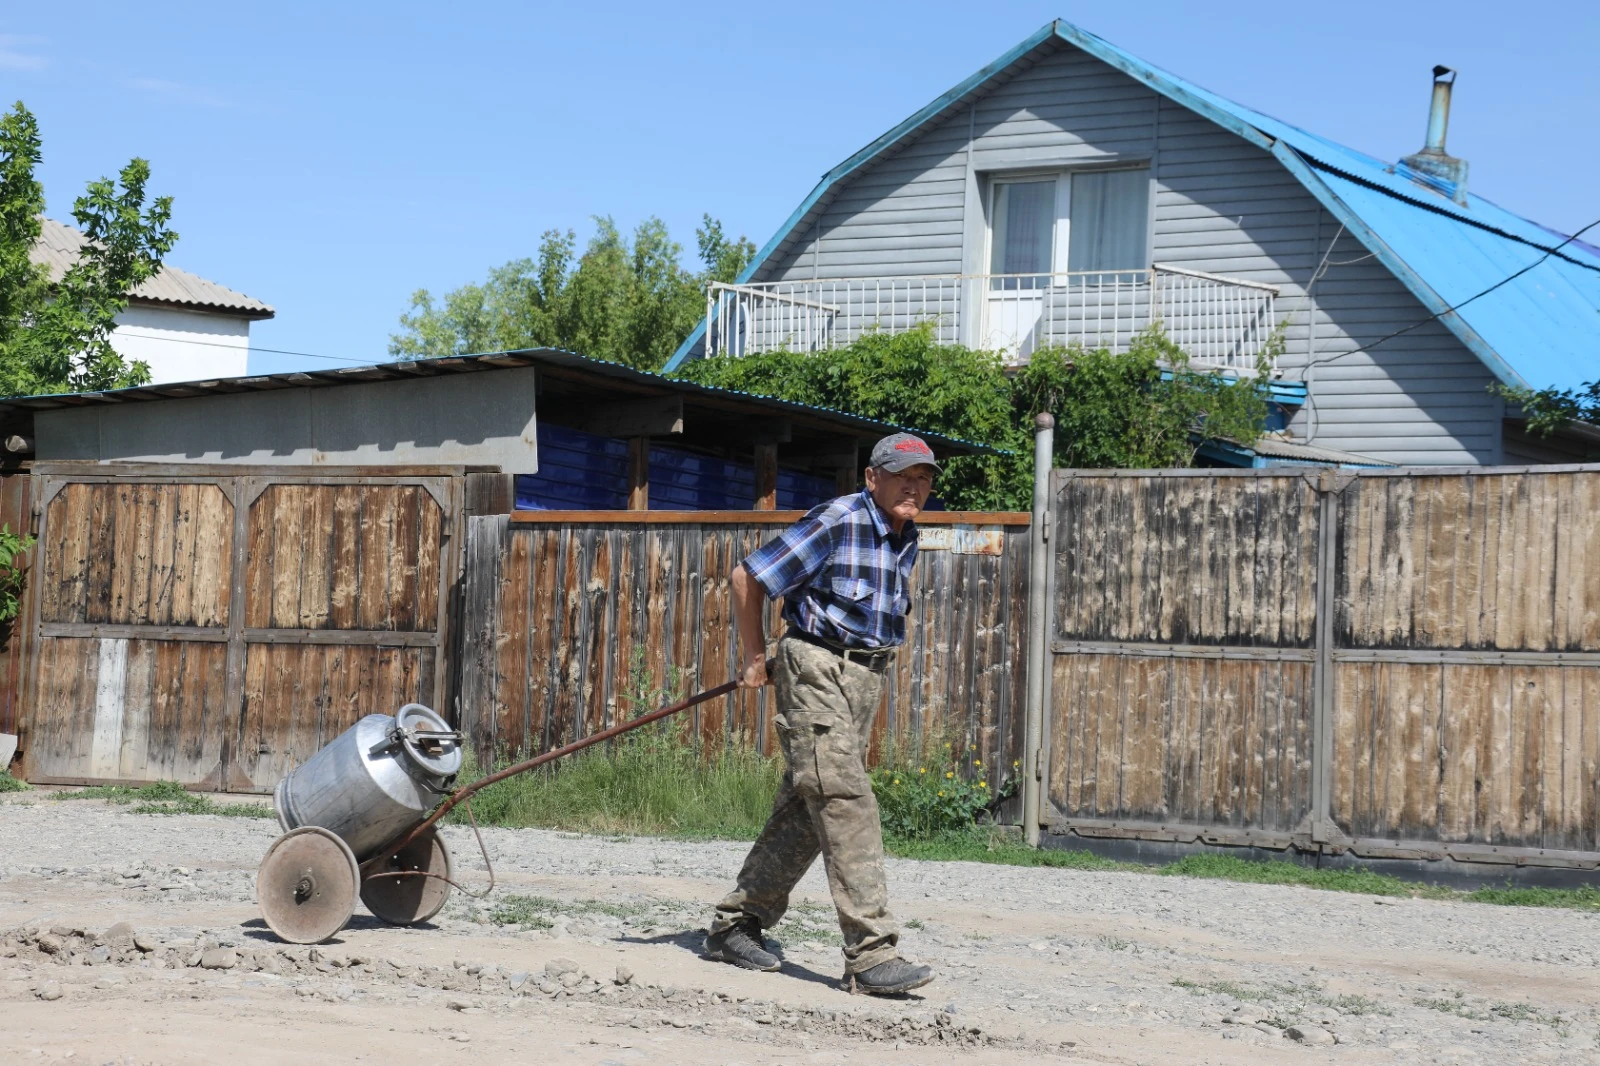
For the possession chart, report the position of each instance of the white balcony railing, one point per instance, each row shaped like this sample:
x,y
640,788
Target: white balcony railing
x,y
1222,323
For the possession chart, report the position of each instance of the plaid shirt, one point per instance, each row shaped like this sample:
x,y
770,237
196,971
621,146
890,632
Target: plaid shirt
x,y
843,572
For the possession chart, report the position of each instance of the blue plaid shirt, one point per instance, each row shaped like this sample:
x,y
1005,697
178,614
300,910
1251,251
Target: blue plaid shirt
x,y
843,572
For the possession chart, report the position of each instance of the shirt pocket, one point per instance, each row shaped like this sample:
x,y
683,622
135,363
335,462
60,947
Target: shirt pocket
x,y
855,590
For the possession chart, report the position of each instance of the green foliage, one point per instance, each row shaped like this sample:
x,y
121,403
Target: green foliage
x,y
624,299
1145,408
933,793
56,337
12,784
1549,411
13,575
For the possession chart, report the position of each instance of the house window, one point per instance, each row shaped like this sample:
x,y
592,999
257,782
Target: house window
x,y
1024,229
1087,221
1109,216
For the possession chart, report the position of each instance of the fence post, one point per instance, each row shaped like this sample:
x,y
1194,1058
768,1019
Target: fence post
x,y
1322,667
1038,625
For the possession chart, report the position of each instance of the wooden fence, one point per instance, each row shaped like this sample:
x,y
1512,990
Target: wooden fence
x,y
573,621
1399,664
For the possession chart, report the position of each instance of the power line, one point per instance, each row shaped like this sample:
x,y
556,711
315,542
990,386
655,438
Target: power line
x,y
1456,307
248,348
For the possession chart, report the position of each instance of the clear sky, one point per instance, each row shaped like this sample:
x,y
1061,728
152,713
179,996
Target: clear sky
x,y
330,159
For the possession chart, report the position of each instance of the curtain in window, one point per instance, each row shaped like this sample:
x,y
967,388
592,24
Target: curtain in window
x,y
1110,212
1025,223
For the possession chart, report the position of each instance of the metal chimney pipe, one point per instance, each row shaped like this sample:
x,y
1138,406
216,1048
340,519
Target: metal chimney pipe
x,y
1439,113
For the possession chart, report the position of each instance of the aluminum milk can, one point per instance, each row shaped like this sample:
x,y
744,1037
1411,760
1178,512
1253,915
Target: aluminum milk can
x,y
375,780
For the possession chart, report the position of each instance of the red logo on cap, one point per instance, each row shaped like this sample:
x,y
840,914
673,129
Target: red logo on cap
x,y
913,446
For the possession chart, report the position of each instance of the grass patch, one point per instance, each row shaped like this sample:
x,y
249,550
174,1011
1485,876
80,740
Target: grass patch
x,y
166,797
988,844
1457,1006
540,912
648,783
1231,868
1584,898
12,784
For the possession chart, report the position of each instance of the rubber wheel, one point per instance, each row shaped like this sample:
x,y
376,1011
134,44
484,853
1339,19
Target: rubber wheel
x,y
409,900
307,885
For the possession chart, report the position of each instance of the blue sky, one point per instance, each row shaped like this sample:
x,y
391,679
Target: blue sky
x,y
332,160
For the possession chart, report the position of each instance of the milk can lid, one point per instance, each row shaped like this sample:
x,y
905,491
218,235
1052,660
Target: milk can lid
x,y
438,756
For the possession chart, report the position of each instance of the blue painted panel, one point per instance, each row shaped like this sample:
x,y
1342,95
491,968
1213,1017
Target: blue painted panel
x,y
582,471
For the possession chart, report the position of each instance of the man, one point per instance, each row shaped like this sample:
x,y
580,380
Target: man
x,y
843,571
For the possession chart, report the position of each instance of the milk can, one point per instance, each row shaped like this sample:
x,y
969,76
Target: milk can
x,y
375,780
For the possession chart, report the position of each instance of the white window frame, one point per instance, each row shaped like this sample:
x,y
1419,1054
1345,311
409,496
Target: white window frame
x,y
1061,241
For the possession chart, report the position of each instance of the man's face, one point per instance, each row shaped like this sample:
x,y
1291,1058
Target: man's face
x,y
903,495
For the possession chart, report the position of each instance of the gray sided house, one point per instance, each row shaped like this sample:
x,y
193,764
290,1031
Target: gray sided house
x,y
1069,193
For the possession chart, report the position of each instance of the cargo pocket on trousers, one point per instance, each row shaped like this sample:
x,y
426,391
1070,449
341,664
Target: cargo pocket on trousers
x,y
823,756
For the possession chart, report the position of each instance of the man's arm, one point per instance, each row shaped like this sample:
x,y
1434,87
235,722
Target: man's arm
x,y
748,600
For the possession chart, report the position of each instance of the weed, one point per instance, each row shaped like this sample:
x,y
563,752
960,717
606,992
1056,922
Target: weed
x,y
986,844
1456,1006
1353,1005
1526,1012
914,923
1115,943
540,912
12,784
167,797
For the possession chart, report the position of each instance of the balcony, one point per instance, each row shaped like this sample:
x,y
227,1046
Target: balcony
x,y
1222,323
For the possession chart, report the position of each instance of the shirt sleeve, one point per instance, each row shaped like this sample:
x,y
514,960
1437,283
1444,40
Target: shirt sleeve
x,y
794,557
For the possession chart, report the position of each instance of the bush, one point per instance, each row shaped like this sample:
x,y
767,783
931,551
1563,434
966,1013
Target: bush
x,y
11,784
930,791
1142,408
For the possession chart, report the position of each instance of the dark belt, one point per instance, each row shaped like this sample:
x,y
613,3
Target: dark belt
x,y
874,659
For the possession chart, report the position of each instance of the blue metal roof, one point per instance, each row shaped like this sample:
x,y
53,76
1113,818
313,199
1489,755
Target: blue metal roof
x,y
1541,329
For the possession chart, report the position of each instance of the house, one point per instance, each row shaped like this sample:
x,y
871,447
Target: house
x,y
182,325
1070,193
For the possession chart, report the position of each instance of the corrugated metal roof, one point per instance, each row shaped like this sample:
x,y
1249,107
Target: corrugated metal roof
x,y
463,364
1279,448
1540,329
58,247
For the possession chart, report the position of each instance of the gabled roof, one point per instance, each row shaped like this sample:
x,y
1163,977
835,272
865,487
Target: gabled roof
x,y
1542,328
58,247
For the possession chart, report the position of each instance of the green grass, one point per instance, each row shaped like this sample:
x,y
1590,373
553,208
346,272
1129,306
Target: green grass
x,y
649,783
12,784
166,797
982,844
540,912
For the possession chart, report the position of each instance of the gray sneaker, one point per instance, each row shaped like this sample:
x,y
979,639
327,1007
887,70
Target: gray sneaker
x,y
889,978
741,944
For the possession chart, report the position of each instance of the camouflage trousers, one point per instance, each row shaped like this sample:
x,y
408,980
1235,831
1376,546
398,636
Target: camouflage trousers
x,y
825,806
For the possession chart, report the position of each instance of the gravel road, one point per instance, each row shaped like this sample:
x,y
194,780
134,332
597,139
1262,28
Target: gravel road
x,y
602,967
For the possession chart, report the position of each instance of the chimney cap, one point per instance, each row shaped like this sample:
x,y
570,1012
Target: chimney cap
x,y
1440,70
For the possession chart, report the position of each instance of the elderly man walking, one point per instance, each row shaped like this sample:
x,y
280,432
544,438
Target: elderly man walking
x,y
844,571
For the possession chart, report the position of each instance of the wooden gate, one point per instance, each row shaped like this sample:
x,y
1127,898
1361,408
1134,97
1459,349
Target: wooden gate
x,y
1391,663
217,625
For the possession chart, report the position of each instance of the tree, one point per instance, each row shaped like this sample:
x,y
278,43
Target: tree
x,y
625,299
55,337
1549,411
1143,408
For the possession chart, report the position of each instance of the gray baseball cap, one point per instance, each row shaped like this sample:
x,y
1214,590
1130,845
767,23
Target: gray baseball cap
x,y
898,451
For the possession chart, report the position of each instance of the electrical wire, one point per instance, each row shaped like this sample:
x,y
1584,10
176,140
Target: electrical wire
x,y
1456,307
248,348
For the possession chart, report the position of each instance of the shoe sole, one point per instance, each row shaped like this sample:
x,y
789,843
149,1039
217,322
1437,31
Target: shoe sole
x,y
888,990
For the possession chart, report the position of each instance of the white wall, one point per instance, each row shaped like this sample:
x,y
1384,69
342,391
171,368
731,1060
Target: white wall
x,y
183,345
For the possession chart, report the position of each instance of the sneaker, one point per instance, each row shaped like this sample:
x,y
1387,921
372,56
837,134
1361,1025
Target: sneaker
x,y
741,944
889,978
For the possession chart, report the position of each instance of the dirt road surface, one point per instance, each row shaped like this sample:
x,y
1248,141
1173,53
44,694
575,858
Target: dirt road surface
x,y
601,965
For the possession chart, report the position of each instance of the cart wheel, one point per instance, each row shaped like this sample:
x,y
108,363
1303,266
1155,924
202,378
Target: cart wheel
x,y
307,885
408,900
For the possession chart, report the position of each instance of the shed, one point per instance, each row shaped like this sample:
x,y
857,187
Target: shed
x,y
573,432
